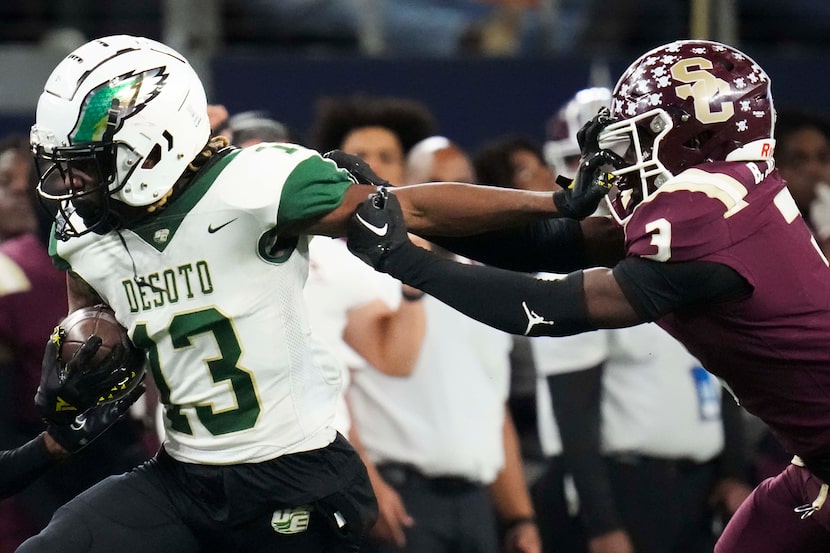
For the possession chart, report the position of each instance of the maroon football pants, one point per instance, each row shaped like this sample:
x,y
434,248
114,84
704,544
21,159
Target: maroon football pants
x,y
767,523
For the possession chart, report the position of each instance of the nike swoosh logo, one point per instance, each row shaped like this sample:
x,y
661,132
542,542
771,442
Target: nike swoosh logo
x,y
380,231
212,229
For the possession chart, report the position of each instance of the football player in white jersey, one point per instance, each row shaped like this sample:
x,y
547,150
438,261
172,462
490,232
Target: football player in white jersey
x,y
202,251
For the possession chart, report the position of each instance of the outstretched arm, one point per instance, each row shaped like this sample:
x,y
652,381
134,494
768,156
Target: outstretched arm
x,y
460,209
517,303
80,293
636,291
447,208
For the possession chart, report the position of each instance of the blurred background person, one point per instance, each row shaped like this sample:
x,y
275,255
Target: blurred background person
x,y
378,129
647,438
251,127
443,438
514,161
384,131
802,155
368,319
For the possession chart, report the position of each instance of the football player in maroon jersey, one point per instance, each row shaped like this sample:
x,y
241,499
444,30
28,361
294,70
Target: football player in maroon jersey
x,y
717,254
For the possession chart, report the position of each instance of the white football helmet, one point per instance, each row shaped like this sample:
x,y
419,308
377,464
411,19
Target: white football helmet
x,y
561,149
129,111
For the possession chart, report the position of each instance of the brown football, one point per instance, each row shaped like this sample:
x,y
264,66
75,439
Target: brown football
x,y
98,320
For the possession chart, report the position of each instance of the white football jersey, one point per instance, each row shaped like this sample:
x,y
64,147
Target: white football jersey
x,y
215,295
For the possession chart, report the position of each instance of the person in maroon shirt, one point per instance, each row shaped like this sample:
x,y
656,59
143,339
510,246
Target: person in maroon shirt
x,y
716,252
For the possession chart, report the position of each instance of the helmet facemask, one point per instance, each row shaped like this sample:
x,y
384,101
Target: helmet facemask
x,y
78,180
637,141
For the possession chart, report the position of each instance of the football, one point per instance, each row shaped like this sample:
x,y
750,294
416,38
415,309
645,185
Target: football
x,y
98,320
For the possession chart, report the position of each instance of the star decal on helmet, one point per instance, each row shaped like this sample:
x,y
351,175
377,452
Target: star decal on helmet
x,y
107,105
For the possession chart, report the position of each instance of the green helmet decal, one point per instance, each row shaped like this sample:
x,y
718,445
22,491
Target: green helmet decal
x,y
107,105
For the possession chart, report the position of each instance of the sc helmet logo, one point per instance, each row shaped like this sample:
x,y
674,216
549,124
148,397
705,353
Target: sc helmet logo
x,y
291,521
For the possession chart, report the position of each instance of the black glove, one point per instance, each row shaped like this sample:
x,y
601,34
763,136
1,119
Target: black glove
x,y
580,197
377,228
359,169
67,389
588,136
84,428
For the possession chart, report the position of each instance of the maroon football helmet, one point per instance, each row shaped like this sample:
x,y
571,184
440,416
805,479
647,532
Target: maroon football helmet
x,y
683,104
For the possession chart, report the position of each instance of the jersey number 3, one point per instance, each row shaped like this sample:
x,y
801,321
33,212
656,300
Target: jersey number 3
x,y
732,196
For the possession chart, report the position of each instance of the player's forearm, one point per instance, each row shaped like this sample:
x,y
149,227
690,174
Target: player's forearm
x,y
389,340
80,293
403,338
20,467
457,209
552,245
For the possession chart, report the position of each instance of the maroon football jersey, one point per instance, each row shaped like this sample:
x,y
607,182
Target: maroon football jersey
x,y
772,348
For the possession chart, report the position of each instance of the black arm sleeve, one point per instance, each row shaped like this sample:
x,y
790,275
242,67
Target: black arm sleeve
x,y
553,245
655,289
576,400
514,302
22,466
